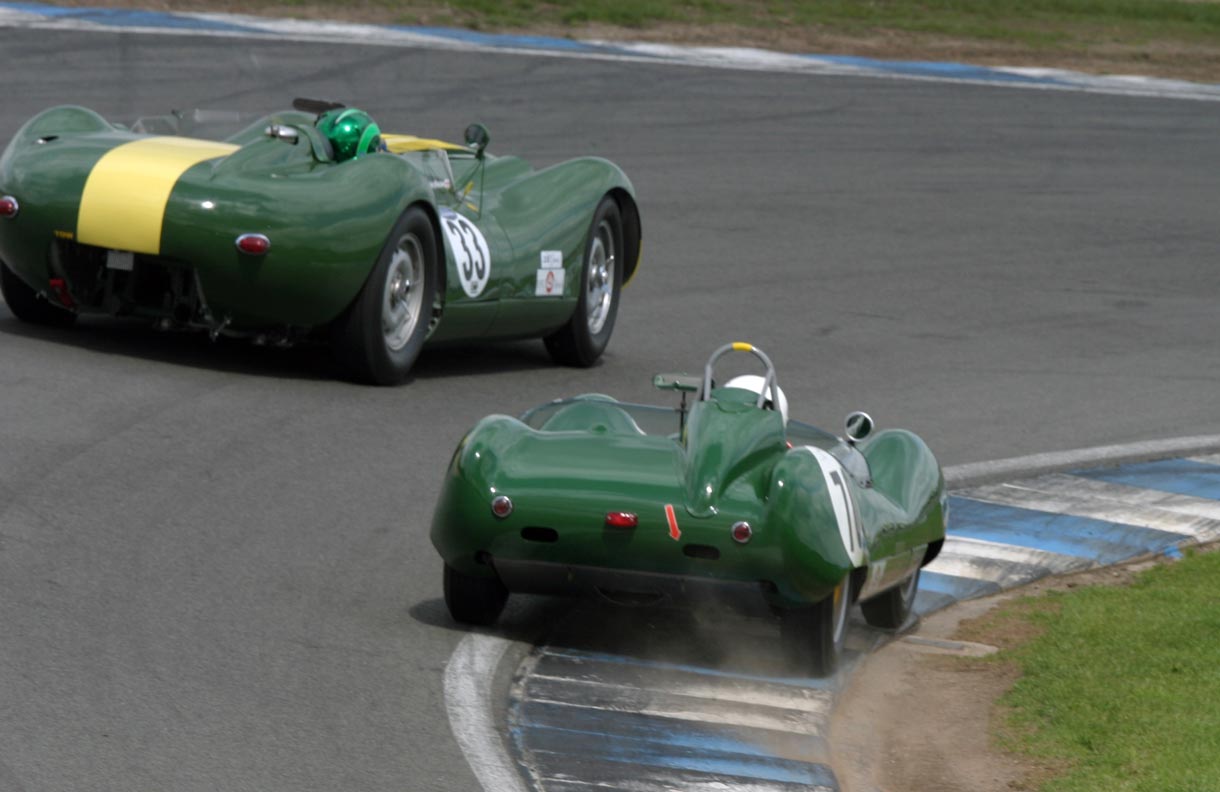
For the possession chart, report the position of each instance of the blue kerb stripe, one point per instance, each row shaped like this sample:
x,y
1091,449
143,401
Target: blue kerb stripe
x,y
122,17
1082,537
958,588
503,40
1179,476
638,752
928,601
961,71
650,728
605,657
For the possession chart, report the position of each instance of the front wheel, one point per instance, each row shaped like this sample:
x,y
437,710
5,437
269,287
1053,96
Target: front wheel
x,y
583,339
28,305
813,637
384,330
473,600
889,609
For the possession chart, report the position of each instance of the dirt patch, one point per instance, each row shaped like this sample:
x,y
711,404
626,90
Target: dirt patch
x,y
1199,63
916,719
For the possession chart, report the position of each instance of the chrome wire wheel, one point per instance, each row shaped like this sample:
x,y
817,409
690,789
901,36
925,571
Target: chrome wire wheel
x,y
403,293
599,292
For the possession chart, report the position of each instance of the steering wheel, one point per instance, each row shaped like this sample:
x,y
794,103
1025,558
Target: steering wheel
x,y
769,384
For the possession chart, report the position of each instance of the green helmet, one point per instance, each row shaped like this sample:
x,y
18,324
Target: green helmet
x,y
351,132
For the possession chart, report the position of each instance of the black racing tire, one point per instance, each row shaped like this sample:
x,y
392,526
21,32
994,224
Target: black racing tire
x,y
473,600
889,610
583,339
383,331
28,305
813,637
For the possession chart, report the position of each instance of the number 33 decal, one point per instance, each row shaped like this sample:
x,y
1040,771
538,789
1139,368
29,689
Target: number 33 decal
x,y
470,252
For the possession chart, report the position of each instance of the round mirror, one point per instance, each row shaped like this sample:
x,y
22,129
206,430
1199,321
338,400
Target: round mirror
x,y
859,426
477,137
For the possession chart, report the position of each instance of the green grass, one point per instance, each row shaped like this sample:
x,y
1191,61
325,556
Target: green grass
x,y
1123,686
1031,22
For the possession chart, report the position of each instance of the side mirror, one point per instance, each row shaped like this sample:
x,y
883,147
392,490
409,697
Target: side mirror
x,y
858,426
477,138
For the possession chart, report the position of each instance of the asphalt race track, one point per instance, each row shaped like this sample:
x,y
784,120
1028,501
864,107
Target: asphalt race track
x,y
214,565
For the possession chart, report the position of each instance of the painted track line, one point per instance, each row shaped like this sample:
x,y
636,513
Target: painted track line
x,y
468,696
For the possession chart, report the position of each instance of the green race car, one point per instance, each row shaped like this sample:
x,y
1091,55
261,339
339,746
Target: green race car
x,y
726,499
313,223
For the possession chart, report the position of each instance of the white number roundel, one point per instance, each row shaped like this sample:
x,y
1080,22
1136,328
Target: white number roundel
x,y
846,514
470,252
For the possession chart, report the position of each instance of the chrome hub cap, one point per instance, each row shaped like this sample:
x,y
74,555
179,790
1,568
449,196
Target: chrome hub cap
x,y
402,295
599,293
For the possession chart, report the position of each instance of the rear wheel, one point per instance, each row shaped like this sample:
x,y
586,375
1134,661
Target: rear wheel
x,y
583,339
384,330
890,609
473,600
28,305
813,637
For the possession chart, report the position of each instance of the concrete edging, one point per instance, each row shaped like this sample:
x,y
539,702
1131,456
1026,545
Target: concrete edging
x,y
977,473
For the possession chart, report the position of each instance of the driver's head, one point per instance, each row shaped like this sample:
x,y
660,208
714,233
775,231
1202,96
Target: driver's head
x,y
351,132
755,383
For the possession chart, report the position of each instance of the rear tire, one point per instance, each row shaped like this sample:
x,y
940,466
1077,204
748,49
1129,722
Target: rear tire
x,y
28,305
584,338
384,330
474,600
890,609
813,637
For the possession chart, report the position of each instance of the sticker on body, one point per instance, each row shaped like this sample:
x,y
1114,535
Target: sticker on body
x,y
471,255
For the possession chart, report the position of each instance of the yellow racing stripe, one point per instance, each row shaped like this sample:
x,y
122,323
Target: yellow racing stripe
x,y
126,193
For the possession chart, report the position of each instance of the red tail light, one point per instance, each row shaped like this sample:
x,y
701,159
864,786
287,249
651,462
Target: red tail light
x,y
621,520
9,206
742,532
253,244
501,506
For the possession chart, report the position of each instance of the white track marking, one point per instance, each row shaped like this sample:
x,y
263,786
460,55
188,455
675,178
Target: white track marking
x,y
468,698
1007,565
1185,515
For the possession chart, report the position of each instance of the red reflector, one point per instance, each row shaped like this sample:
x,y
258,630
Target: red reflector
x,y
742,532
253,244
621,520
9,206
60,289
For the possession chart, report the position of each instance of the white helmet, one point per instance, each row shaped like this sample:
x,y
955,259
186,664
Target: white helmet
x,y
755,383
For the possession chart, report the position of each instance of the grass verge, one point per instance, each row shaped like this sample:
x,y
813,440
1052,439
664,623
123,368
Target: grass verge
x,y
1170,38
1120,686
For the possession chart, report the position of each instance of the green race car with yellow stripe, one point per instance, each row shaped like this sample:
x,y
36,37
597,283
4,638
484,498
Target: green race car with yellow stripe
x,y
313,224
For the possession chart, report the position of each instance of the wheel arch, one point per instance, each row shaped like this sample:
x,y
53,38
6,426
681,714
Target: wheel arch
x,y
629,212
442,265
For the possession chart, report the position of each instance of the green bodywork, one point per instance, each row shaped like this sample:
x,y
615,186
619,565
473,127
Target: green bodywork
x,y
566,464
327,223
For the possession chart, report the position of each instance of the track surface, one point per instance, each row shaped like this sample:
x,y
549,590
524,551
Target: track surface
x,y
214,566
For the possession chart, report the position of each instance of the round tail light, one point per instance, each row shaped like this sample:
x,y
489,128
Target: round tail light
x,y
9,206
742,532
501,506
